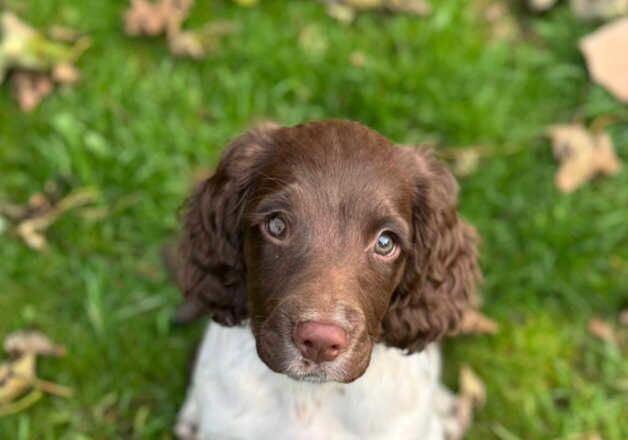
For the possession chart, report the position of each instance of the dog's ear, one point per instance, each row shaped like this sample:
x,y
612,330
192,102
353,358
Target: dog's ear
x,y
211,270
442,271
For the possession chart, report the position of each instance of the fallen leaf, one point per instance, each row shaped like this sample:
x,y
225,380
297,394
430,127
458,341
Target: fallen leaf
x,y
466,163
187,44
464,160
32,228
197,43
32,342
23,47
472,395
541,5
19,376
148,18
582,155
31,57
344,10
65,73
166,17
601,330
599,9
16,377
416,7
472,387
474,322
30,88
62,33
340,12
499,19
605,53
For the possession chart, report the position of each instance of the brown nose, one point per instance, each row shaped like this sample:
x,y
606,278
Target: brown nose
x,y
320,342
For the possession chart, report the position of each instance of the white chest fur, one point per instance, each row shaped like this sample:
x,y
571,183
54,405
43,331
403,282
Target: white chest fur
x,y
233,395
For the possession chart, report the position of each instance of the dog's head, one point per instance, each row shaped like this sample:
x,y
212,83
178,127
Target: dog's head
x,y
329,239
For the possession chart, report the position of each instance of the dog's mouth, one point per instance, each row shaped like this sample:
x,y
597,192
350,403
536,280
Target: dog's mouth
x,y
279,346
349,367
307,371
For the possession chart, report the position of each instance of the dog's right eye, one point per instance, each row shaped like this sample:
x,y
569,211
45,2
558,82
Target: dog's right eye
x,y
385,245
276,227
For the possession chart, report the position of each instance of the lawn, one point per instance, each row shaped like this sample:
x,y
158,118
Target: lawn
x,y
141,124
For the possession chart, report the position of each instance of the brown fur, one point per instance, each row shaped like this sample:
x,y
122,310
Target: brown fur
x,y
338,184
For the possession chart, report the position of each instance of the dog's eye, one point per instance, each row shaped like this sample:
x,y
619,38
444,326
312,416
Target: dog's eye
x,y
385,244
276,227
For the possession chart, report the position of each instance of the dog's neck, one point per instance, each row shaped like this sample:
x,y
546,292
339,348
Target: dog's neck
x,y
234,391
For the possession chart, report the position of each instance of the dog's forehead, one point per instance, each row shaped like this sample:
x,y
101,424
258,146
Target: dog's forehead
x,y
336,155
338,168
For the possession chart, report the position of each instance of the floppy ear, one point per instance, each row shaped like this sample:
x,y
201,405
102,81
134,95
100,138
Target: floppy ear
x,y
442,270
211,272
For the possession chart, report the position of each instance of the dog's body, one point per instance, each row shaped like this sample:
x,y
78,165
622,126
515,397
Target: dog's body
x,y
334,257
233,395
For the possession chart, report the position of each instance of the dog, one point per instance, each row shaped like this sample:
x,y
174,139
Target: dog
x,y
331,263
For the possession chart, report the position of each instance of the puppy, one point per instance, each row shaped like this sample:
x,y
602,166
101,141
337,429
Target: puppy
x,y
330,261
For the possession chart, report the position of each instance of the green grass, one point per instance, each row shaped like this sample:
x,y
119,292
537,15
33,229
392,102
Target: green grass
x,y
141,123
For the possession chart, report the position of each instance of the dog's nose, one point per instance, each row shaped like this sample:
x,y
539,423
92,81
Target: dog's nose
x,y
320,342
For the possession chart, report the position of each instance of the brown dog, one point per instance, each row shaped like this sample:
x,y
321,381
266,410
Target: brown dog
x,y
329,239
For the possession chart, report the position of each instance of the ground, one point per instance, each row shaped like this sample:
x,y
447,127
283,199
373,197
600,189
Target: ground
x,y
141,124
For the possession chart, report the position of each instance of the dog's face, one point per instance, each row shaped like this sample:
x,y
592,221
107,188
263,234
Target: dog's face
x,y
332,240
326,236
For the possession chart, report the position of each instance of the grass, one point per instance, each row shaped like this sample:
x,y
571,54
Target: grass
x,y
141,124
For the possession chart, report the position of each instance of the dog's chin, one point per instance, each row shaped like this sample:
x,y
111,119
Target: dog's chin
x,y
284,358
302,370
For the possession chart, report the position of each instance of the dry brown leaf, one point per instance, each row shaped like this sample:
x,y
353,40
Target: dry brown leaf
x,y
62,33
32,229
601,330
31,57
599,9
18,376
340,12
472,395
466,160
605,53
197,43
166,17
416,7
30,88
474,322
541,5
65,73
32,342
472,387
186,44
154,18
344,10
499,19
582,155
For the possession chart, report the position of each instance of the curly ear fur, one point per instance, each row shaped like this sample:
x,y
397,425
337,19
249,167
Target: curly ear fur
x,y
211,273
442,273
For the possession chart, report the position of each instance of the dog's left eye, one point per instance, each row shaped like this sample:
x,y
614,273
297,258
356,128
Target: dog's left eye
x,y
276,227
385,244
